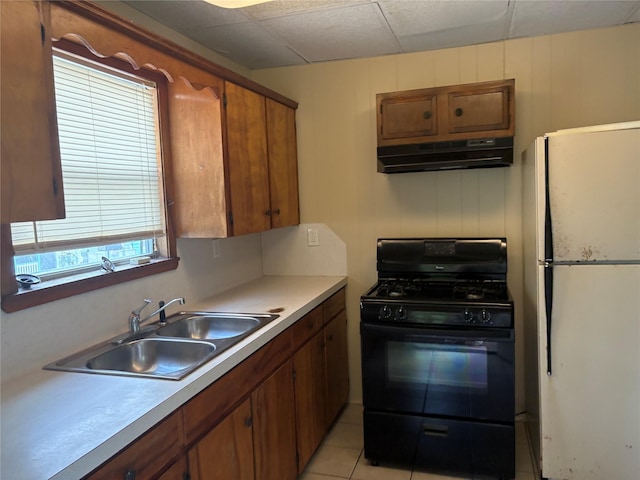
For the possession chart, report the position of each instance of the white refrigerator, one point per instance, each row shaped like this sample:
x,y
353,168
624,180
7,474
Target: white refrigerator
x,y
581,232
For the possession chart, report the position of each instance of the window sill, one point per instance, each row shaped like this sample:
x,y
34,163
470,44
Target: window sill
x,y
49,291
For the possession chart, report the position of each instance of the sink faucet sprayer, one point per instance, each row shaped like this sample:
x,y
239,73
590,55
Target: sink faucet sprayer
x,y
134,317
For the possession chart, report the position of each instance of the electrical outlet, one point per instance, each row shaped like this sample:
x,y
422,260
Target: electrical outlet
x,y
313,239
216,249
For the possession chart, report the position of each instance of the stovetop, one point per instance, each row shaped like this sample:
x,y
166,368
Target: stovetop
x,y
440,281
415,290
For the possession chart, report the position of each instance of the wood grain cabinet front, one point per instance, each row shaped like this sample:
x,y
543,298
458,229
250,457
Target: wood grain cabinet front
x,y
149,455
30,154
458,112
261,161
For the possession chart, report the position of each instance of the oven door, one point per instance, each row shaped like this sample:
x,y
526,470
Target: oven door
x,y
462,373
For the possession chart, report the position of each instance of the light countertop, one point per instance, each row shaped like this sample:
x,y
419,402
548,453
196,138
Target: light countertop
x,y
62,425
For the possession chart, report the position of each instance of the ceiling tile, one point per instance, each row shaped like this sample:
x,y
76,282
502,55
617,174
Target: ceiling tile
x,y
338,33
247,44
284,8
410,17
454,37
532,18
187,14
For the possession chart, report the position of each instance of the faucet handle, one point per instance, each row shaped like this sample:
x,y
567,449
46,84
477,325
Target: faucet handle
x,y
137,311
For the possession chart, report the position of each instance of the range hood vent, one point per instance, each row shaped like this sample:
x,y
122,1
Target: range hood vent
x,y
478,153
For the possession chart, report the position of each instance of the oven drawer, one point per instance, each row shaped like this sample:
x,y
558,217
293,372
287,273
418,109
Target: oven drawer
x,y
440,444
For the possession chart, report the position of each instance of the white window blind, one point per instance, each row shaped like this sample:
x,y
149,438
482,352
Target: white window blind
x,y
109,146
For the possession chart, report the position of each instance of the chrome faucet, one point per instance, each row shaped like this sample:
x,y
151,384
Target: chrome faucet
x,y
134,317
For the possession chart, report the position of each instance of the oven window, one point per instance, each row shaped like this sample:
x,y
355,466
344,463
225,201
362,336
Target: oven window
x,y
457,366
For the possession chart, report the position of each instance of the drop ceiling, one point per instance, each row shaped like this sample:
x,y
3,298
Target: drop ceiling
x,y
297,32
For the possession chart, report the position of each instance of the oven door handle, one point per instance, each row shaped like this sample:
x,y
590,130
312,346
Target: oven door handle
x,y
441,335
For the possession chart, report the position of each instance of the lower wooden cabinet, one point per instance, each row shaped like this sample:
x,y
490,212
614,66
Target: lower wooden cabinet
x,y
310,394
335,339
225,452
274,427
148,455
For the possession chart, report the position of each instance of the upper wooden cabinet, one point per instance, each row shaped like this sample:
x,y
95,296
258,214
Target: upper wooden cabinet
x,y
234,157
261,161
31,171
457,112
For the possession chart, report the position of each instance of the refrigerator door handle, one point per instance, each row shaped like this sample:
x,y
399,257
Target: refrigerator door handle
x,y
548,254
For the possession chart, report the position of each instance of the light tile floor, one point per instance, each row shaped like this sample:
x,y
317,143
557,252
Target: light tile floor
x,y
341,456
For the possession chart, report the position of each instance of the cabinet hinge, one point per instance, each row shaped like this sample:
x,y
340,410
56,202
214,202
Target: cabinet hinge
x,y
297,460
230,218
55,186
294,374
186,476
42,33
224,100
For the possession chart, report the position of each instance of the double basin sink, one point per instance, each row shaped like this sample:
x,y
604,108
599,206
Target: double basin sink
x,y
167,350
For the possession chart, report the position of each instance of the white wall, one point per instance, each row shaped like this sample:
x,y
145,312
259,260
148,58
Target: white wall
x,y
566,80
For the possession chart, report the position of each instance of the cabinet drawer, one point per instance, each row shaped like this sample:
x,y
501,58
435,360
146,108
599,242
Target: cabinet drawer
x,y
334,305
306,327
145,457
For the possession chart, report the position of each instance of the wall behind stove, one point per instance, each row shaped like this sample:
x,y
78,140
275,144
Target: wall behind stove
x,y
567,80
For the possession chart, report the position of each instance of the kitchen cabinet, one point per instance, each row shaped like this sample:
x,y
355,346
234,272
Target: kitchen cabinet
x,y
321,373
337,371
239,175
261,160
178,471
274,428
30,168
148,455
227,450
310,385
449,113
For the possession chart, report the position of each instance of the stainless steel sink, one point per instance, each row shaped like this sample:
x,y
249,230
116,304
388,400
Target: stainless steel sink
x,y
210,327
154,356
169,350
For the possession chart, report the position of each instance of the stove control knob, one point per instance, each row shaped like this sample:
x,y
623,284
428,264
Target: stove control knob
x,y
385,312
486,317
467,316
401,313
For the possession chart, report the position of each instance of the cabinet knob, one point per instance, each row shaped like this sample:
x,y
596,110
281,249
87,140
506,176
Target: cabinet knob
x,y
277,211
130,475
426,115
248,421
267,213
458,112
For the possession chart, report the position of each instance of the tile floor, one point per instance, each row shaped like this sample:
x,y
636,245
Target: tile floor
x,y
341,456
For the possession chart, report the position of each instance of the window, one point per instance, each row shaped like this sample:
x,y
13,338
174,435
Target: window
x,y
111,153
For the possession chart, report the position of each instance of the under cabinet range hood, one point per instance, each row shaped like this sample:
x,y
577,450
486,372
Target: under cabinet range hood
x,y
477,153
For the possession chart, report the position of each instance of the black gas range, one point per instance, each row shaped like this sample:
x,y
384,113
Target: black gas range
x,y
438,356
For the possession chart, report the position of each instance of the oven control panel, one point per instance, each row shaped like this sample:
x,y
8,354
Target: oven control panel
x,y
420,314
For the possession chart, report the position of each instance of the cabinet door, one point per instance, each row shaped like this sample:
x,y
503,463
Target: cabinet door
x,y
283,164
31,172
226,452
247,160
274,429
178,471
335,334
404,115
479,109
310,390
148,455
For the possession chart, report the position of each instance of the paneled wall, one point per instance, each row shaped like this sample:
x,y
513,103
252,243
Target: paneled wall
x,y
569,80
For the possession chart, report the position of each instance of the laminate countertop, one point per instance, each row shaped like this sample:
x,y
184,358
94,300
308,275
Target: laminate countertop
x,y
62,425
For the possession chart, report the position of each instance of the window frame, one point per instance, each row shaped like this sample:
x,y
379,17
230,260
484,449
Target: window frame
x,y
18,299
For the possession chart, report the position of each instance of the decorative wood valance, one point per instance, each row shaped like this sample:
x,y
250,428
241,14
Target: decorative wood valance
x,y
107,35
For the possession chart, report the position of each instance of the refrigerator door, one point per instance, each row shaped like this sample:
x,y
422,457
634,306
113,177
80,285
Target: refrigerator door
x,y
590,406
594,195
